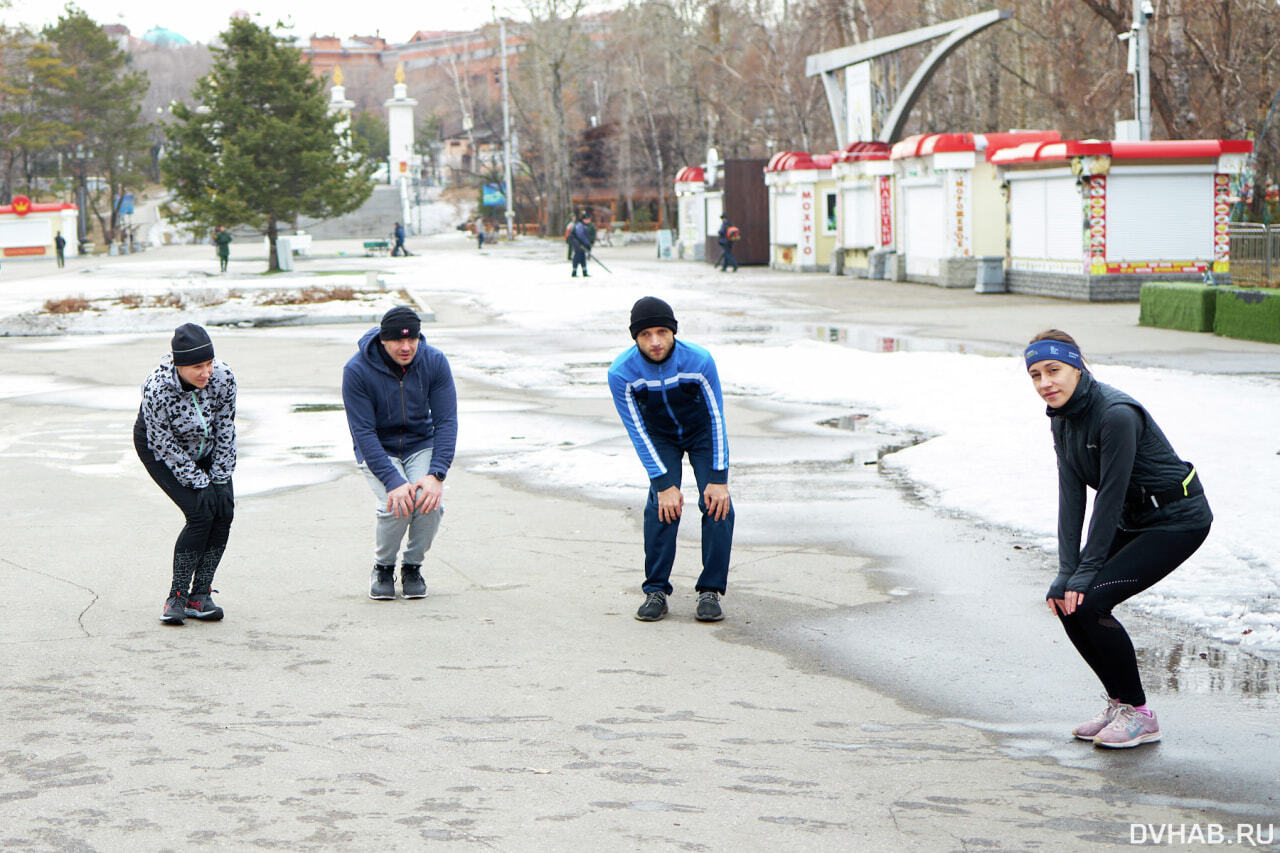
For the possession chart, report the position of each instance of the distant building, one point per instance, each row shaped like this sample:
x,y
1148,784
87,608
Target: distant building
x,y
164,37
326,53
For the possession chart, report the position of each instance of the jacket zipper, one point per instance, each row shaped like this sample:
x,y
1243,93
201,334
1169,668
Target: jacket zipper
x,y
666,402
404,415
204,425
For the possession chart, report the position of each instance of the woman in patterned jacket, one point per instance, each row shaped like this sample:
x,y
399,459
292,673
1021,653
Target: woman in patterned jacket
x,y
185,436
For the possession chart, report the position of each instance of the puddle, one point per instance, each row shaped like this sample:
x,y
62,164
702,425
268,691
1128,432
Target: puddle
x,y
856,422
849,422
1193,665
878,340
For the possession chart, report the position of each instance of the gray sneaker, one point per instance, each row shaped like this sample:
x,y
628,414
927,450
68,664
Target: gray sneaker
x,y
175,609
654,607
1130,728
709,606
1089,730
411,582
382,583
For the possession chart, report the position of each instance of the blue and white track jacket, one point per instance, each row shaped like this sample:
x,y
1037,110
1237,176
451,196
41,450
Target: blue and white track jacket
x,y
677,401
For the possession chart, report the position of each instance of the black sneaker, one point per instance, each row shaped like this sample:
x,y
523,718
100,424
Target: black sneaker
x,y
382,583
200,606
709,606
411,581
175,609
654,607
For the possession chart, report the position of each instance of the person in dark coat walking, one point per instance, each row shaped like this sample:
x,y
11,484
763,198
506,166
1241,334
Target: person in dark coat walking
x,y
727,236
185,435
222,239
397,234
1149,515
581,238
59,247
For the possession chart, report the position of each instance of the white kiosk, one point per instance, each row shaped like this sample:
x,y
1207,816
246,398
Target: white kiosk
x,y
863,174
803,216
1093,220
691,205
951,205
28,229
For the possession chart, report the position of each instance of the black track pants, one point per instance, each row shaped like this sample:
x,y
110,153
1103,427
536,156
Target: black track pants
x,y
1137,561
202,541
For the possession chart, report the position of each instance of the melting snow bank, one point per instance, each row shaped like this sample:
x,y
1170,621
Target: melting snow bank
x,y
207,306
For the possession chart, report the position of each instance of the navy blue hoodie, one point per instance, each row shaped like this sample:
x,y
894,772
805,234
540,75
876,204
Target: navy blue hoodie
x,y
397,413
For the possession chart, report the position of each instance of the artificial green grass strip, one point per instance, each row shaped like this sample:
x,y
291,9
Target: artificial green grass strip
x,y
1182,305
1249,313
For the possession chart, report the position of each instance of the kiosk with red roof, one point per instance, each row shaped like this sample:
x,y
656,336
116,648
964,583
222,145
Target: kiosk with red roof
x,y
864,187
1093,220
28,228
951,210
691,208
802,210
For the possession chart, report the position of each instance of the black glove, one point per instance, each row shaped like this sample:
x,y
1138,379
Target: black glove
x,y
226,498
206,501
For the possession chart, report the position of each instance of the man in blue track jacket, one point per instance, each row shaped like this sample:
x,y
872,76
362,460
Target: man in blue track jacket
x,y
668,395
402,410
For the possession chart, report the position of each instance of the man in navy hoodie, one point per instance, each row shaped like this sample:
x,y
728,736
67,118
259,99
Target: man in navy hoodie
x,y
668,395
402,410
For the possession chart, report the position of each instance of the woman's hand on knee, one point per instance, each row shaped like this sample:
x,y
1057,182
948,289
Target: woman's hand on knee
x,y
1066,605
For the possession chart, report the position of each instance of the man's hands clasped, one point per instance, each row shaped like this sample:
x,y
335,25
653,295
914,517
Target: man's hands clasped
x,y
424,496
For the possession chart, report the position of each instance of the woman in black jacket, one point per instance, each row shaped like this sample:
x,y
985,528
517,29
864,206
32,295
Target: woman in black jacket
x,y
185,435
1149,515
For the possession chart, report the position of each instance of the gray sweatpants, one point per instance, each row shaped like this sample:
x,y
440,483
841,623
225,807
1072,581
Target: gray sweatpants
x,y
389,530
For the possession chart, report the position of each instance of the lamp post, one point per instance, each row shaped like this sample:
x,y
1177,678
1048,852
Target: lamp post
x,y
506,123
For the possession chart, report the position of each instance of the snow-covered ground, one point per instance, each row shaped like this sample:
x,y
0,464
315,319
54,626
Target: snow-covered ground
x,y
989,455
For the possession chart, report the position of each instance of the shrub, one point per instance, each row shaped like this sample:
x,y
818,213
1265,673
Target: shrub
x,y
70,305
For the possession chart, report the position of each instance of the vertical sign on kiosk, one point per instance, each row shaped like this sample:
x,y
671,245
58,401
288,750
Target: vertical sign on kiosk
x,y
1221,223
958,191
1097,219
885,193
806,225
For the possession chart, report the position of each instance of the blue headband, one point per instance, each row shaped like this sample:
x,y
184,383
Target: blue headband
x,y
1056,351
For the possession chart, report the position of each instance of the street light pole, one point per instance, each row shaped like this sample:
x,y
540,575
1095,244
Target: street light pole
x,y
506,123
1143,12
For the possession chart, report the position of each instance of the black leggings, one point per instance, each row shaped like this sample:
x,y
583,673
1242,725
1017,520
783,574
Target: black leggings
x,y
1136,562
202,541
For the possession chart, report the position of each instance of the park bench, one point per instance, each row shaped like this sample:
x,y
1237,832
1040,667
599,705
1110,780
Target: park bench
x,y
377,247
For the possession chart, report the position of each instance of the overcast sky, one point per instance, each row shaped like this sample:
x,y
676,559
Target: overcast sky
x,y
201,20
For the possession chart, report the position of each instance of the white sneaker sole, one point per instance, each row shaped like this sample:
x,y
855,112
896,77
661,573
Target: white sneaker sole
x,y
1152,737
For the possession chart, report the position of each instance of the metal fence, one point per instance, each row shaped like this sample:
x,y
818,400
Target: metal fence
x,y
1255,254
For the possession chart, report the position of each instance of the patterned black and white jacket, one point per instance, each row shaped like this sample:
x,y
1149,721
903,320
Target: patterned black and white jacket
x,y
183,426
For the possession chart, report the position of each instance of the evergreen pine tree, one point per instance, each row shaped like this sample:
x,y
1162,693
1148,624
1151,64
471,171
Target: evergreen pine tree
x,y
99,101
260,148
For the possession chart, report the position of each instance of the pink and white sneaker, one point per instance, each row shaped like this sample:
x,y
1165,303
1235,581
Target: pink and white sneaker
x,y
1089,731
1130,728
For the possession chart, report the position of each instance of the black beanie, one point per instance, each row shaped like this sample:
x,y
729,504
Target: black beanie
x,y
400,322
651,311
191,345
